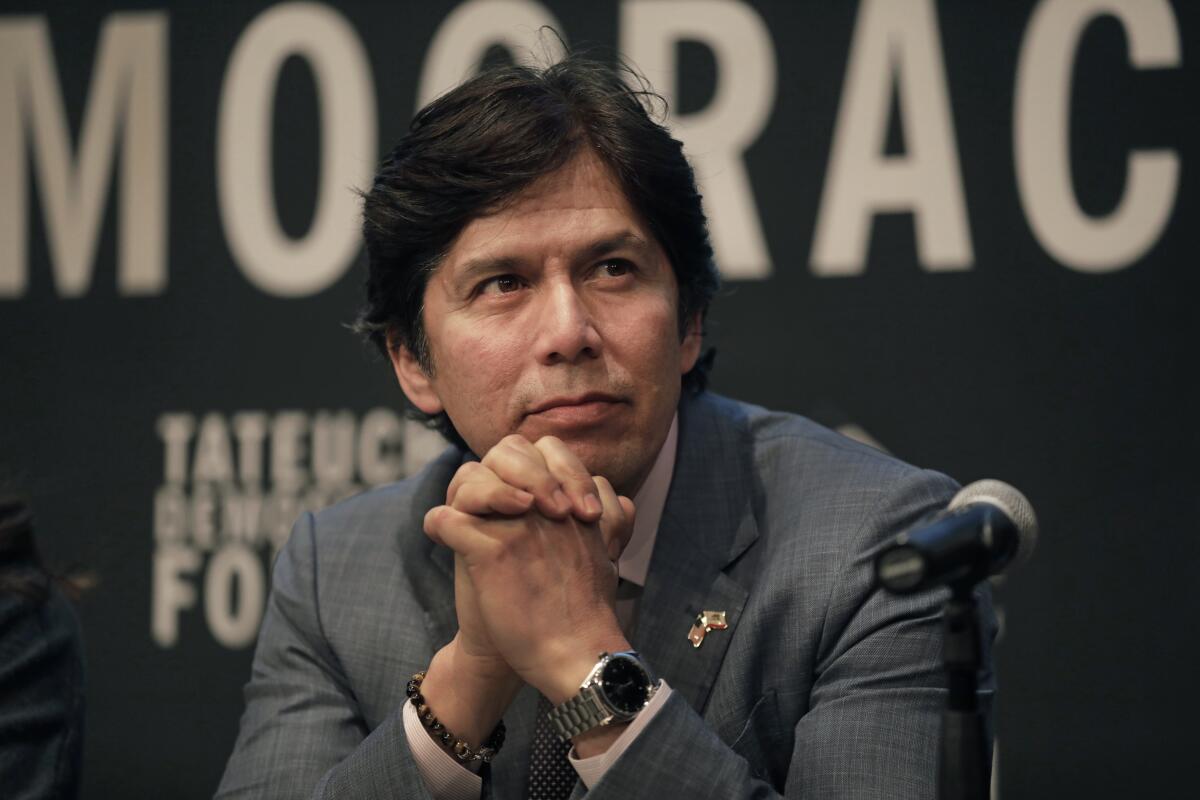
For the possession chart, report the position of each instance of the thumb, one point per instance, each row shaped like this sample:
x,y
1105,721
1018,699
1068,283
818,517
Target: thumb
x,y
616,521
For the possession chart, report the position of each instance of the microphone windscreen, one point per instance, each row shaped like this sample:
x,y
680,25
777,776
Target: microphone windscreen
x,y
1012,503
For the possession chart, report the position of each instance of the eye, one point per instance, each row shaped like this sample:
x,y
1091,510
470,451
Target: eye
x,y
614,268
499,284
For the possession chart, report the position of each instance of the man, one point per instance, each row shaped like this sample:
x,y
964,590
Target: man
x,y
539,275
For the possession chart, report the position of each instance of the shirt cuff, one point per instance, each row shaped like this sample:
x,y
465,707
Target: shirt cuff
x,y
592,769
445,777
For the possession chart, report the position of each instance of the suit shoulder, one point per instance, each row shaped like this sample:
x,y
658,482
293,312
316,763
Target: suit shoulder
x,y
336,559
790,452
387,510
768,430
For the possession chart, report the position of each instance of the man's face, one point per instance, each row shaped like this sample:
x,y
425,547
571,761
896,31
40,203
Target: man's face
x,y
557,315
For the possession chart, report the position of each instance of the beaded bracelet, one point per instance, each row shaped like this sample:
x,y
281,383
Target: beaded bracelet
x,y
457,747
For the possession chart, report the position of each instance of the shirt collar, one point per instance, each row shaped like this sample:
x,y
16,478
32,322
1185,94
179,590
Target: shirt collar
x,y
649,502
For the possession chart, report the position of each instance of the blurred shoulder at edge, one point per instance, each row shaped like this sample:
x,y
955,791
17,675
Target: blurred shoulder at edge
x,y
41,667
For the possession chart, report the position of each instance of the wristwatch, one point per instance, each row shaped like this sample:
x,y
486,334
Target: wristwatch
x,y
617,688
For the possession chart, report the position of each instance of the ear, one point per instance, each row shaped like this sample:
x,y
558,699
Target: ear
x,y
689,348
416,383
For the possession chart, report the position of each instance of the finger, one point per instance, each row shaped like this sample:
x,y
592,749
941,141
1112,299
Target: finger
x,y
616,523
463,474
573,477
431,524
480,492
482,498
456,530
518,463
629,508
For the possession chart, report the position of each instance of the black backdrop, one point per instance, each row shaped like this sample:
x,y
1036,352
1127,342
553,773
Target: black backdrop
x,y
170,419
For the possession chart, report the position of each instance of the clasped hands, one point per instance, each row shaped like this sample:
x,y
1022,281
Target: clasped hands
x,y
536,541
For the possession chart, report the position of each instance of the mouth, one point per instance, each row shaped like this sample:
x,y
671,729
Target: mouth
x,y
566,403
577,411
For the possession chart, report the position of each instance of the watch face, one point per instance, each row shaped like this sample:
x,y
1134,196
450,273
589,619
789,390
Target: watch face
x,y
625,684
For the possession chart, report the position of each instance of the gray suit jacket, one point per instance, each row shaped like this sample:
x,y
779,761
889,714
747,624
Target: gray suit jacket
x,y
821,687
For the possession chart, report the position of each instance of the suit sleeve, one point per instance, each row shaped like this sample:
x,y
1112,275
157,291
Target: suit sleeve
x,y
873,722
302,734
42,686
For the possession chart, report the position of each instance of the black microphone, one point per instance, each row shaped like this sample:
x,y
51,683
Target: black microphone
x,y
988,527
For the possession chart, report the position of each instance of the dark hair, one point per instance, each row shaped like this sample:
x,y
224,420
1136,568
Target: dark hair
x,y
477,146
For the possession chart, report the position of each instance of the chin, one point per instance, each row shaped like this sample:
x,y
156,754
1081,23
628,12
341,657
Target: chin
x,y
619,466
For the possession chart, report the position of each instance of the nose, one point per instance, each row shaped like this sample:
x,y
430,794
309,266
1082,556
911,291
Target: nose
x,y
565,332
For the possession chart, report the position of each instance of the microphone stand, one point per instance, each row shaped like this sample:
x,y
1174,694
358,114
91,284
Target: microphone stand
x,y
987,525
965,766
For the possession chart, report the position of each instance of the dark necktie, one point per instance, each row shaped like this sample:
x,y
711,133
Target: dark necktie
x,y
551,776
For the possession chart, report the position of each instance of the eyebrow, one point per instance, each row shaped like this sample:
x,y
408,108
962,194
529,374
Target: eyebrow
x,y
473,268
486,265
614,242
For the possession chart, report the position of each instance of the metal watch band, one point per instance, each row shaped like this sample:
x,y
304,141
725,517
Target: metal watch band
x,y
590,708
578,714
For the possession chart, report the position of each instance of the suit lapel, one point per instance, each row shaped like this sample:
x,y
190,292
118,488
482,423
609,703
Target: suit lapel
x,y
708,522
430,567
441,618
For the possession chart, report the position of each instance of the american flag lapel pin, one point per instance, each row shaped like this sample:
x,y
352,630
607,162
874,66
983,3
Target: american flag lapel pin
x,y
706,621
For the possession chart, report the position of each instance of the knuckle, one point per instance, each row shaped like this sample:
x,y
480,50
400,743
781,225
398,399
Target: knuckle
x,y
505,452
481,478
515,440
465,495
